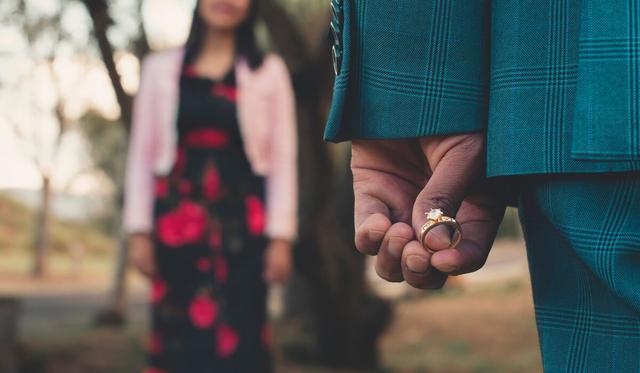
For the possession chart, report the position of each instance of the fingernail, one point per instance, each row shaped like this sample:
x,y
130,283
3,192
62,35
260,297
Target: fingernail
x,y
375,236
417,264
446,240
447,268
438,239
395,247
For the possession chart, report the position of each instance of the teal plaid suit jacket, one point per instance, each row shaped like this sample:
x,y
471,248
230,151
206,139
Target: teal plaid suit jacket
x,y
555,84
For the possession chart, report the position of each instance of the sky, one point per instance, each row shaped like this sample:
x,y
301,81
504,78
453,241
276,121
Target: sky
x,y
27,93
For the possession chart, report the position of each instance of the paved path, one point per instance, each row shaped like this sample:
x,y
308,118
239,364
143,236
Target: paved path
x,y
67,304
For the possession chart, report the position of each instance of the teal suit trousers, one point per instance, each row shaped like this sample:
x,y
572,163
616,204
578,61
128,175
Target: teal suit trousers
x,y
583,246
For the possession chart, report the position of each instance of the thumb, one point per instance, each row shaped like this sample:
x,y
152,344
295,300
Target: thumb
x,y
457,163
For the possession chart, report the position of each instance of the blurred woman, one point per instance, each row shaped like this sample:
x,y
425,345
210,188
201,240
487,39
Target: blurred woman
x,y
211,192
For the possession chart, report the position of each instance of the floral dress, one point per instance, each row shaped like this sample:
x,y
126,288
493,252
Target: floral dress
x,y
209,299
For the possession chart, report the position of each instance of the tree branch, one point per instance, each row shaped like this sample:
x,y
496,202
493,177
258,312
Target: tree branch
x,y
99,12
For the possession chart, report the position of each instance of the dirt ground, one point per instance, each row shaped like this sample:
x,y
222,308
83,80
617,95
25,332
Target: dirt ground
x,y
483,323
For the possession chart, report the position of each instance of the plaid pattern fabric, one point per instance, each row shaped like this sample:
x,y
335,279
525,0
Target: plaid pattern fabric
x,y
554,83
409,69
583,247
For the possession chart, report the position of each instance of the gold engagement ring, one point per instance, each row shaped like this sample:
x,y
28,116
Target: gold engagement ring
x,y
436,217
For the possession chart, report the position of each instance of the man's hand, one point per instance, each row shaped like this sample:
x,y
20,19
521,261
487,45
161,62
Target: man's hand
x,y
397,181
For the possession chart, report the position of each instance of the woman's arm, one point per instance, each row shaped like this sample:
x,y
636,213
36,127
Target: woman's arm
x,y
282,178
139,191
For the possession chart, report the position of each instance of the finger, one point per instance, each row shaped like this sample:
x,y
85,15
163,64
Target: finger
x,y
389,257
371,232
371,214
479,216
147,270
386,180
457,164
286,275
151,271
416,269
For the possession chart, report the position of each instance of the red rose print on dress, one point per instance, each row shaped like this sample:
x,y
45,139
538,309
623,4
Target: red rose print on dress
x,y
221,270
155,344
161,187
203,311
158,290
207,138
222,90
226,340
185,187
184,225
203,264
181,161
266,334
215,239
211,183
190,71
255,215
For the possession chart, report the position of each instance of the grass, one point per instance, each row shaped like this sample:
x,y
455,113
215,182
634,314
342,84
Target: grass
x,y
17,231
73,244
59,264
488,329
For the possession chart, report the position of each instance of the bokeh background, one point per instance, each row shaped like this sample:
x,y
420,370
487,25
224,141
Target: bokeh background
x,y
68,302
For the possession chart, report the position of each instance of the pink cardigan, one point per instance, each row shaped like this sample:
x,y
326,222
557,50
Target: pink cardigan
x,y
266,113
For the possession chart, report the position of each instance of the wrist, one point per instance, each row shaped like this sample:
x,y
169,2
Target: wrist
x,y
280,243
135,236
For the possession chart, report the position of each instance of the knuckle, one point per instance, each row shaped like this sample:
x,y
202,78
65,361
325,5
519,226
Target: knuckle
x,y
442,201
364,248
471,148
433,286
387,274
476,265
473,143
429,282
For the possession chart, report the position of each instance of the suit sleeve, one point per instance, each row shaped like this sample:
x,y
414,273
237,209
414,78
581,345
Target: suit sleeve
x,y
139,190
409,69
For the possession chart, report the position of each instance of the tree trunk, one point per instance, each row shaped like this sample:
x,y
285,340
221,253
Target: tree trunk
x,y
100,19
346,319
43,229
114,311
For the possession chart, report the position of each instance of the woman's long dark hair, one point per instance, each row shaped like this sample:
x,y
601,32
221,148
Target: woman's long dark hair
x,y
246,44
